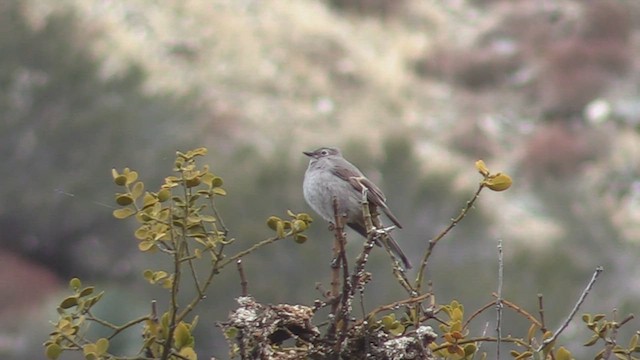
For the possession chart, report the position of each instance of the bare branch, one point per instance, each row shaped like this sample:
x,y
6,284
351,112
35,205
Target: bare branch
x,y
575,309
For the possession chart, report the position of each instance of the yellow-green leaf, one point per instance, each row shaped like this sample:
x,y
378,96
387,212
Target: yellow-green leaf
x,y
482,168
532,332
123,213
89,351
142,233
148,200
219,191
120,180
470,349
131,176
146,245
563,354
592,341
188,353
272,222
397,329
231,332
138,189
280,229
523,356
75,283
498,182
69,302
87,291
53,351
182,335
299,226
164,195
124,199
101,346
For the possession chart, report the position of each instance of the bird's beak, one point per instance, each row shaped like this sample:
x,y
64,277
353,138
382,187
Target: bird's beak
x,y
308,153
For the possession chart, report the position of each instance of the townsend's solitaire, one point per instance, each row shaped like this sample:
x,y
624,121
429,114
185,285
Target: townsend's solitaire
x,y
330,175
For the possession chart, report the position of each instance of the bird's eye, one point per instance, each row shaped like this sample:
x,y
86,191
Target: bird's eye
x,y
324,152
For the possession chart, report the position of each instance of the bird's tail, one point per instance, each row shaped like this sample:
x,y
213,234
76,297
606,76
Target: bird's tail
x,y
391,244
395,248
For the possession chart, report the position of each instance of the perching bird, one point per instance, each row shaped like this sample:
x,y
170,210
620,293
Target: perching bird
x,y
330,175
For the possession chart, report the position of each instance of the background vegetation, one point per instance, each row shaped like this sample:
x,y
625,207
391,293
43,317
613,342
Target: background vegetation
x,y
413,91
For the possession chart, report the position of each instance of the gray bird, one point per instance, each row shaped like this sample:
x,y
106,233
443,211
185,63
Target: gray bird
x,y
330,175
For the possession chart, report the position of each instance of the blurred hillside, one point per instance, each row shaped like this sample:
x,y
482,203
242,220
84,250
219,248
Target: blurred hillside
x,y
412,91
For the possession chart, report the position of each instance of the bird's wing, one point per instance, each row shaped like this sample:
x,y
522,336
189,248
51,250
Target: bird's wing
x,y
359,182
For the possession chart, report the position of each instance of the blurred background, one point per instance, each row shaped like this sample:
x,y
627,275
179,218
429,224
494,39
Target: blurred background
x,y
413,91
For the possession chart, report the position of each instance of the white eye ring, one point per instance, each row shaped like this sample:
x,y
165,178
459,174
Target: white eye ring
x,y
324,152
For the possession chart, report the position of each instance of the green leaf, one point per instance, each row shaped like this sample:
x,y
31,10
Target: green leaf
x,y
397,330
69,302
593,340
53,351
470,349
164,195
188,353
138,189
123,213
300,239
101,346
523,356
146,245
124,199
87,291
633,343
563,354
131,176
142,232
388,320
216,182
280,229
148,200
532,332
299,226
208,218
75,283
219,191
182,335
272,222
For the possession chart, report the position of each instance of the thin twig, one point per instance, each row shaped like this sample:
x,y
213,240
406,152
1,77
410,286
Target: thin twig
x,y
243,279
395,305
434,241
499,305
242,253
225,231
575,309
543,327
